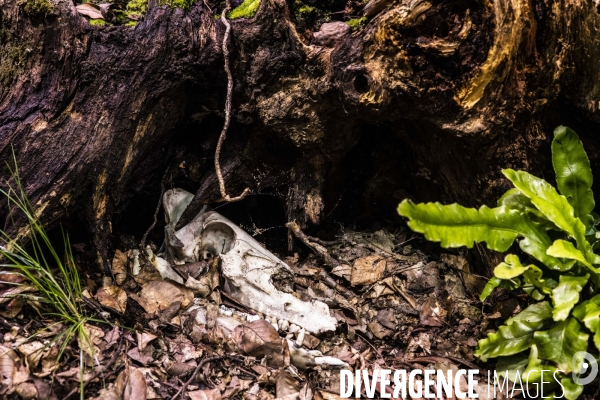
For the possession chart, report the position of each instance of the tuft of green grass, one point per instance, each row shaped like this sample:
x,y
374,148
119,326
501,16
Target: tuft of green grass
x,y
54,276
245,10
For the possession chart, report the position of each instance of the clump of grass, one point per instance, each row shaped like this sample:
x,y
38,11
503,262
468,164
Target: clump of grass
x,y
55,278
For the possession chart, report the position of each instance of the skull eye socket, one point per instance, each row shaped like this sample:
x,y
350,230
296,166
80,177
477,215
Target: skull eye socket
x,y
217,238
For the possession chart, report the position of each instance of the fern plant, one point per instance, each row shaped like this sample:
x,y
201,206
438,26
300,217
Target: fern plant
x,y
556,232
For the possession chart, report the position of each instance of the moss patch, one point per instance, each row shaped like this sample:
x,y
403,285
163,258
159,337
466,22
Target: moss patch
x,y
97,22
137,7
12,61
183,4
38,7
245,10
357,23
305,9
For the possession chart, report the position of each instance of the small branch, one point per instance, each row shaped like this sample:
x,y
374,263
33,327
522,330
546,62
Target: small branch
x,y
200,365
227,111
318,249
322,253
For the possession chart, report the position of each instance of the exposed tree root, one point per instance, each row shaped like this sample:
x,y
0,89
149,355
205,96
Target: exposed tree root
x,y
227,111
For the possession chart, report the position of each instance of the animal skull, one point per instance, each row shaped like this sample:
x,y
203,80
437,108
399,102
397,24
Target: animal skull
x,y
246,266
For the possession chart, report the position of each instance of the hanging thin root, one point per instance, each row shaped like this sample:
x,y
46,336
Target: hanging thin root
x,y
227,111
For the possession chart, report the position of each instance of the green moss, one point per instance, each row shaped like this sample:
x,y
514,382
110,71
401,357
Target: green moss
x,y
245,10
13,59
305,9
357,23
137,7
184,4
97,22
131,24
38,7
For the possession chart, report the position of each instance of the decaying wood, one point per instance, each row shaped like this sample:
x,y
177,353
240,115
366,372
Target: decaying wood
x,y
429,100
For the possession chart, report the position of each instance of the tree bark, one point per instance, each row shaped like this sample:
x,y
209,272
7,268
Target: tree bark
x,y
429,100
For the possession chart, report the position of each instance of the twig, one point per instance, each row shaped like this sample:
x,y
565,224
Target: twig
x,y
100,370
227,111
324,242
162,192
200,365
322,252
318,249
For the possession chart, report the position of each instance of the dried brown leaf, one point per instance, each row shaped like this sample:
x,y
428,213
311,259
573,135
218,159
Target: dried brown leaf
x,y
13,308
119,266
143,338
287,385
90,344
89,10
367,270
432,313
32,351
8,358
26,390
9,294
113,297
260,339
159,295
210,394
143,357
131,384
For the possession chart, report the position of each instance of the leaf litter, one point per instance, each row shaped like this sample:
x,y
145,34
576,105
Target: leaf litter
x,y
395,307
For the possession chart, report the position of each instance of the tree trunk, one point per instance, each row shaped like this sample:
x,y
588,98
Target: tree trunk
x,y
429,100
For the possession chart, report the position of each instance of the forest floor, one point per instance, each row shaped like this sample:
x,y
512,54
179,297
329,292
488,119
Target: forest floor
x,y
396,308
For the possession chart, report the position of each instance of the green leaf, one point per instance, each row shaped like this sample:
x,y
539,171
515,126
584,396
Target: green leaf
x,y
571,390
554,206
510,268
560,343
494,282
516,200
573,173
588,312
517,334
566,295
509,366
533,292
455,226
533,276
533,371
537,247
564,249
